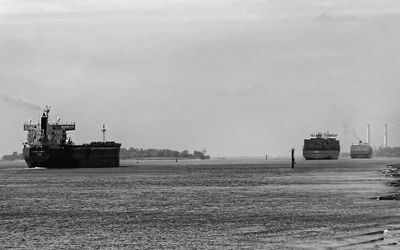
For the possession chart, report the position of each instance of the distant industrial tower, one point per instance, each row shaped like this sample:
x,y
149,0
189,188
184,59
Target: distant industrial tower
x,y
385,135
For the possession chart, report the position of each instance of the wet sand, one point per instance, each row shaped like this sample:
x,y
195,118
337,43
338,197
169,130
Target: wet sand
x,y
224,204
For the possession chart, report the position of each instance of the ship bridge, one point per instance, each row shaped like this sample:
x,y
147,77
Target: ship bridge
x,y
324,135
62,126
55,126
30,127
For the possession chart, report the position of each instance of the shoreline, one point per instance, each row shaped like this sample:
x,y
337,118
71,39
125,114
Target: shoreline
x,y
393,170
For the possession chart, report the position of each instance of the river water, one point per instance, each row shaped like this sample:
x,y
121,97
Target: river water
x,y
194,204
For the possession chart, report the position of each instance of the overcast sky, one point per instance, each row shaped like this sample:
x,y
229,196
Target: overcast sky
x,y
241,78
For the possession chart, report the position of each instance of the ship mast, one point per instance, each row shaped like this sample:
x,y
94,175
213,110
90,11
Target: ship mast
x,y
104,132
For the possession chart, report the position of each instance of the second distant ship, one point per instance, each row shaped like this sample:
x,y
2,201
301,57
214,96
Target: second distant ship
x,y
360,150
321,146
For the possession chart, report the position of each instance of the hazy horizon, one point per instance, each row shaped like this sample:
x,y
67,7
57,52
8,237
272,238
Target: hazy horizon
x,y
240,78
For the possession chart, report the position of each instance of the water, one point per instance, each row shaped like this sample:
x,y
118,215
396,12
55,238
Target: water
x,y
254,204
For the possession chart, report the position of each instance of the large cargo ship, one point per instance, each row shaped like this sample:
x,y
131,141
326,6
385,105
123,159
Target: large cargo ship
x,y
47,146
321,146
360,150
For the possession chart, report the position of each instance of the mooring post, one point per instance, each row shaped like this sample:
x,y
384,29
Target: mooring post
x,y
293,160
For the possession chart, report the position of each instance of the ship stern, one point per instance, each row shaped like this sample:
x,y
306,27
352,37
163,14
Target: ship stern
x,y
35,156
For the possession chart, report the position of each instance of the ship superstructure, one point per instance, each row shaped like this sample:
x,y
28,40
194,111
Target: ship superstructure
x,y
48,146
321,146
47,134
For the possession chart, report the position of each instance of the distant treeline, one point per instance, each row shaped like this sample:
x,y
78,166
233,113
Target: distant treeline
x,y
134,153
13,156
387,152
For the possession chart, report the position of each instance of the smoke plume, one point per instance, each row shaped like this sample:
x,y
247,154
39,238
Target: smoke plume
x,y
355,134
349,131
19,102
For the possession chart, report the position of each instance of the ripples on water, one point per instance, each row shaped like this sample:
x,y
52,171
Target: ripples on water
x,y
198,205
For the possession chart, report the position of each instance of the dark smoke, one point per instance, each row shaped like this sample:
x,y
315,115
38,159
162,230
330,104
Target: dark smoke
x,y
349,131
19,102
355,134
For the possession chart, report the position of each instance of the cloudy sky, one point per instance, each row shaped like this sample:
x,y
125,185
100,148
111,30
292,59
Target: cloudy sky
x,y
239,77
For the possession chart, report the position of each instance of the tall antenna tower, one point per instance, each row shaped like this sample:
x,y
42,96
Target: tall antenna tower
x,y
104,132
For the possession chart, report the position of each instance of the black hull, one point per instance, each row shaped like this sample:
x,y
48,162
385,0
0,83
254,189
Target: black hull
x,y
73,156
361,156
321,154
360,151
321,148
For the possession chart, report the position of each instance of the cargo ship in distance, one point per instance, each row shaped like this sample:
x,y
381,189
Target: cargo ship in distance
x,y
47,146
360,150
321,146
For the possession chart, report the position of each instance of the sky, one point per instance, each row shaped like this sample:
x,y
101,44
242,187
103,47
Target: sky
x,y
237,77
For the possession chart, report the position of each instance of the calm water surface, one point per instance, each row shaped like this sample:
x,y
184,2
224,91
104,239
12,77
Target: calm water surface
x,y
214,204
